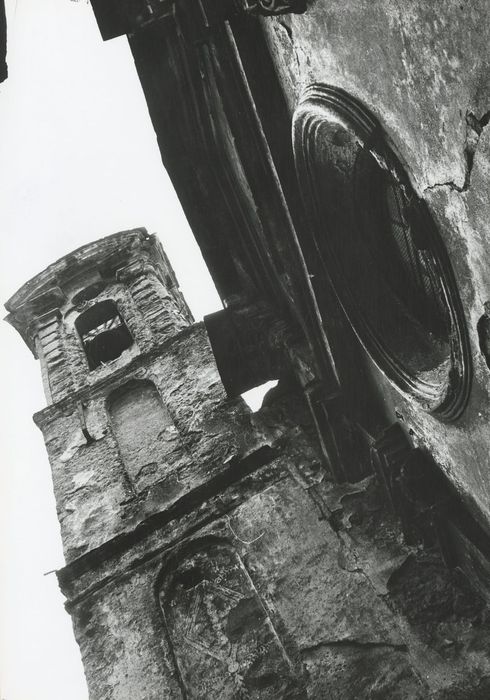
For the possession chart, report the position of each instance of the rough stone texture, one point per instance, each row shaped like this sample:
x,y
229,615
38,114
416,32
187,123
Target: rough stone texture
x,y
208,432
128,268
423,71
152,433
208,554
274,554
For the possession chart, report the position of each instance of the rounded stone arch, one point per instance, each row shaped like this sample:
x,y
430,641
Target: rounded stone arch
x,y
379,249
219,631
144,431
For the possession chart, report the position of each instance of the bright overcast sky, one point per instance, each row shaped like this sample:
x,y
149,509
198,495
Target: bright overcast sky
x,y
78,160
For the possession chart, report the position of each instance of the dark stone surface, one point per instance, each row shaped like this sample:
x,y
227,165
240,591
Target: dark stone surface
x,y
227,564
209,554
423,72
357,613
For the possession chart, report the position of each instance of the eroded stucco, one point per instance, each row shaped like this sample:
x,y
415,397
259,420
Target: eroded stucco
x,y
422,70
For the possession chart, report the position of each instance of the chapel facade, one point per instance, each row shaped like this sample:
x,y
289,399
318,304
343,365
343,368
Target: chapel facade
x,y
333,163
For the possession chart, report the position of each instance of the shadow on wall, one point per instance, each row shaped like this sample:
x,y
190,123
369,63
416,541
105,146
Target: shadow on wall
x,y
483,328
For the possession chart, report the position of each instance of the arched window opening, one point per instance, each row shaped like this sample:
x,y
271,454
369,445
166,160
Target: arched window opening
x,y
144,431
103,333
379,248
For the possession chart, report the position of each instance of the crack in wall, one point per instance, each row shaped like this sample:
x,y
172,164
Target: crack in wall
x,y
474,130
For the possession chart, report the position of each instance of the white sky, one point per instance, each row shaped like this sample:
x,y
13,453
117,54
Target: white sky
x,y
78,160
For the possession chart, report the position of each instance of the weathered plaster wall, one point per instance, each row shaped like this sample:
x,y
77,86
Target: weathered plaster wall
x,y
337,607
236,569
423,70
96,497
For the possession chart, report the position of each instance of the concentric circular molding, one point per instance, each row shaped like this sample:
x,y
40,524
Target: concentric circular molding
x,y
350,126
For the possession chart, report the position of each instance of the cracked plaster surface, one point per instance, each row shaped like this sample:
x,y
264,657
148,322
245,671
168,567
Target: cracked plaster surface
x,y
423,70
474,129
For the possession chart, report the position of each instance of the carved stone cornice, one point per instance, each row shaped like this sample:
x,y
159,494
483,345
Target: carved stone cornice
x,y
118,17
272,7
31,315
134,269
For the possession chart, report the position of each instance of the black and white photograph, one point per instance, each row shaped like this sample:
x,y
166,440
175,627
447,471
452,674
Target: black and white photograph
x,y
245,354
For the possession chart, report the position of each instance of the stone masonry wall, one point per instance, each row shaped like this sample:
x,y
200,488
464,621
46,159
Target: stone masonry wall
x,y
95,495
280,584
208,554
422,69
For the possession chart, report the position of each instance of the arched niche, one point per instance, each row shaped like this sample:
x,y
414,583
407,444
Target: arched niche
x,y
222,638
373,240
144,431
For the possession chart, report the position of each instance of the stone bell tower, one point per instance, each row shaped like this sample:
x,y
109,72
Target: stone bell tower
x,y
208,554
146,450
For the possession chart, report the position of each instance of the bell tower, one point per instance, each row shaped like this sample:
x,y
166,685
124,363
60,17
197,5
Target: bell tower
x,y
147,453
96,320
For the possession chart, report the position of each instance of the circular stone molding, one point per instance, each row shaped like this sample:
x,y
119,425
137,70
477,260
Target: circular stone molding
x,y
380,250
